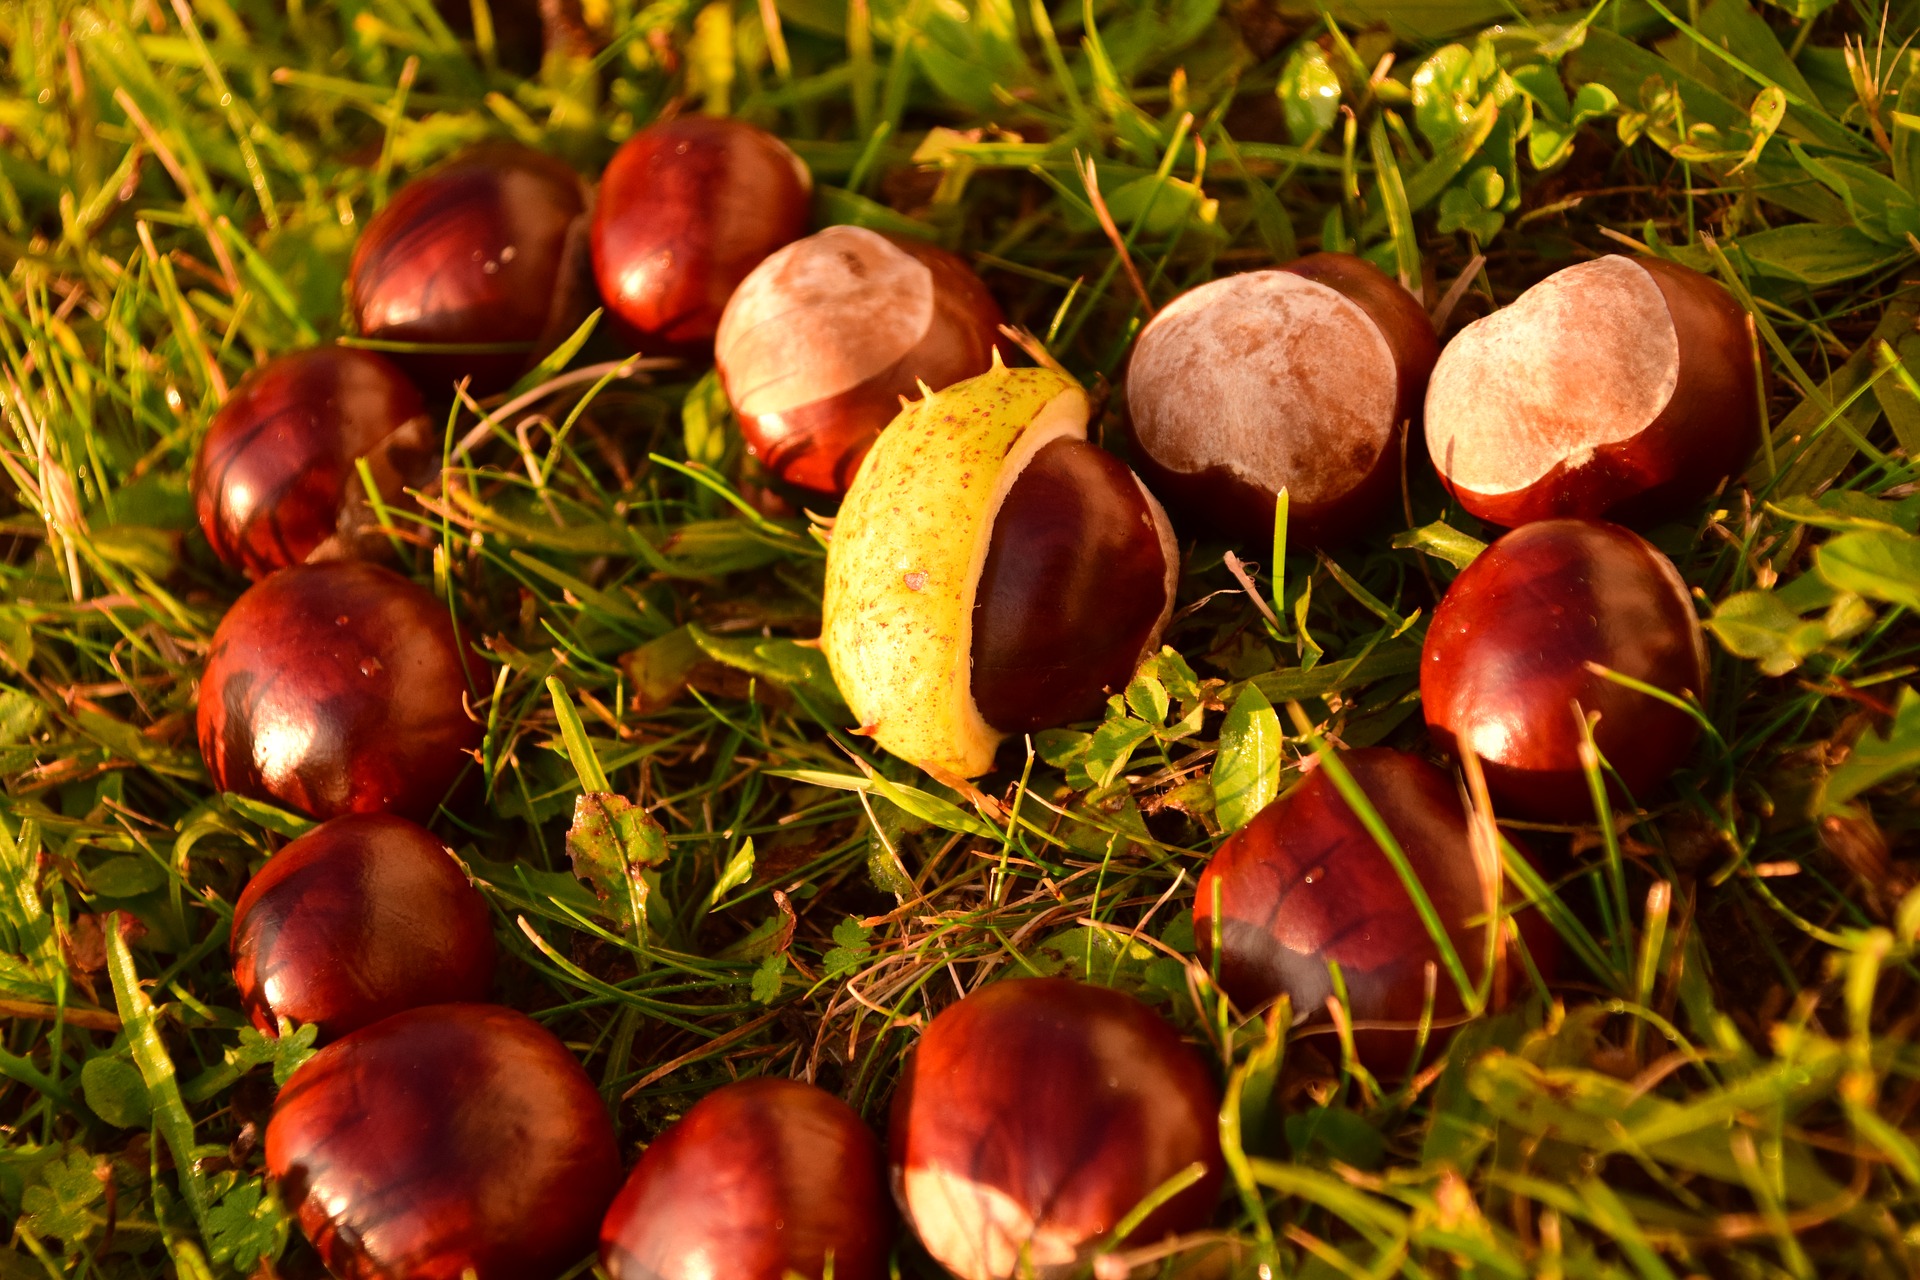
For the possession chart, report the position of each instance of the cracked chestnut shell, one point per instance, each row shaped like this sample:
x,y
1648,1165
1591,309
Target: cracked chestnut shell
x,y
1505,664
1303,886
362,917
686,209
275,481
484,251
771,1177
336,688
820,343
455,1139
1037,1113
1621,386
1303,377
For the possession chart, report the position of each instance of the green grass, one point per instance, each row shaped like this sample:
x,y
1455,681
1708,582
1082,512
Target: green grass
x,y
1724,1077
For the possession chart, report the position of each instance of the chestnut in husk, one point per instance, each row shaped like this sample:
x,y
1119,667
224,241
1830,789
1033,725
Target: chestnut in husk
x,y
458,1139
823,339
1505,664
761,1180
1304,886
1621,386
338,687
359,918
687,208
485,252
991,572
1037,1113
276,483
1301,378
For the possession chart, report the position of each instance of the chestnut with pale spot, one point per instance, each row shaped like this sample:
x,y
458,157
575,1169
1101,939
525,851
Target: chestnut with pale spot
x,y
1036,1114
1508,665
1626,387
818,346
1301,378
339,687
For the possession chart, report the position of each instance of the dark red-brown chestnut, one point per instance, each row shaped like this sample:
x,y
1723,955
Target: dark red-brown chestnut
x,y
1301,378
1037,1113
1621,386
338,687
766,1179
455,1140
687,208
485,251
1304,886
359,918
1506,663
821,341
276,483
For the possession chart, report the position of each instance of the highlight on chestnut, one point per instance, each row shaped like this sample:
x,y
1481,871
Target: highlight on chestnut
x,y
1301,378
1623,386
820,343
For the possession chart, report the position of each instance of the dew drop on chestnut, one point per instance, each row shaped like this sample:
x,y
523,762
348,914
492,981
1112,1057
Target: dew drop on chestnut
x,y
359,918
1505,663
452,1139
1038,1112
1077,584
276,476
287,713
770,1176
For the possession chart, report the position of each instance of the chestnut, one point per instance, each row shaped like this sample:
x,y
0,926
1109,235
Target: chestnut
x,y
457,1139
687,208
1304,886
823,339
338,687
1621,386
1505,666
1037,1113
1301,378
761,1180
480,252
275,481
361,917
991,572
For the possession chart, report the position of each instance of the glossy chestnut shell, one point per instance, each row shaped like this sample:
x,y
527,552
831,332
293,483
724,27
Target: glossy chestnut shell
x,y
275,480
335,688
760,1180
1304,886
1505,664
1621,386
687,208
362,917
443,1140
819,344
1035,1114
481,252
1077,585
1303,377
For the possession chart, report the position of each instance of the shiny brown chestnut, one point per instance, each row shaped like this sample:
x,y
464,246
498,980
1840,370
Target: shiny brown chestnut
x,y
338,687
458,1139
1301,378
1506,663
359,918
820,343
761,1180
1621,386
687,208
1304,886
1037,1113
276,481
481,252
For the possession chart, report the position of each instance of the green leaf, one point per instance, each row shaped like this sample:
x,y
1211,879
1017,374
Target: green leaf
x,y
1758,625
1309,92
1114,743
1876,563
1815,253
274,819
1877,758
850,947
788,663
615,846
59,1204
767,979
126,877
247,1227
114,1090
1442,541
1246,775
20,716
1446,92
